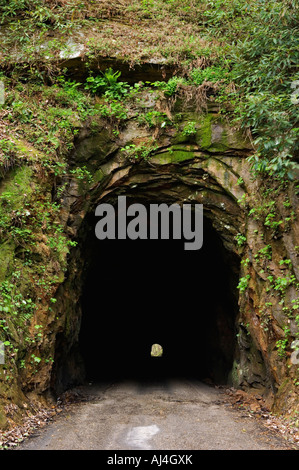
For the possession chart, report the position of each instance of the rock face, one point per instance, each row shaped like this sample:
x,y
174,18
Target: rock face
x,y
210,168
157,350
256,223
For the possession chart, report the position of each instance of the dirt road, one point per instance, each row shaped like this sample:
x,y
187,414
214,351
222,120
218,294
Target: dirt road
x,y
174,414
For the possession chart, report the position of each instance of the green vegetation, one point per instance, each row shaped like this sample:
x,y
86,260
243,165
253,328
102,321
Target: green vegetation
x,y
242,55
108,84
154,119
170,87
264,253
190,129
248,50
209,74
282,344
243,283
137,153
240,239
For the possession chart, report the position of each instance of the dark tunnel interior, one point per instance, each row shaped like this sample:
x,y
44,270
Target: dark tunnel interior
x,y
141,292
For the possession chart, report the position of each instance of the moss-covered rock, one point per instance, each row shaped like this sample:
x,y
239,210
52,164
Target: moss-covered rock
x,y
47,203
175,154
215,135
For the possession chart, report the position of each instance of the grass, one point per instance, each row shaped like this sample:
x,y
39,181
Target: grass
x,y
244,51
132,30
254,42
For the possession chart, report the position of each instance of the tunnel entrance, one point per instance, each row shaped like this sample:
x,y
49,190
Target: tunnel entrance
x,y
156,350
140,292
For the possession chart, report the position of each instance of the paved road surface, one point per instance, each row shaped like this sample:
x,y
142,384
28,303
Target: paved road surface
x,y
169,415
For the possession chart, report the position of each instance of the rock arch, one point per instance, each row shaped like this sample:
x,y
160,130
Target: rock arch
x,y
209,167
178,171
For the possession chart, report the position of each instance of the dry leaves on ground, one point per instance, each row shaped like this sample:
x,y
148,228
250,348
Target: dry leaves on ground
x,y
288,428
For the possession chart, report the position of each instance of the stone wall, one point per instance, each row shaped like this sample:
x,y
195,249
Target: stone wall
x,y
255,218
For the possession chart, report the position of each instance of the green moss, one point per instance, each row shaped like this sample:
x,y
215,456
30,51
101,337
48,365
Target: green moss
x,y
174,155
6,257
181,155
181,138
188,132
214,135
17,186
15,192
204,134
25,150
98,176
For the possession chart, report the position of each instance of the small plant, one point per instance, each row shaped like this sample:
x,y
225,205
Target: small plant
x,y
286,262
100,83
169,88
242,200
107,83
287,203
136,153
82,174
264,253
114,110
155,119
209,74
269,222
282,283
282,344
243,283
190,129
245,262
240,239
38,334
